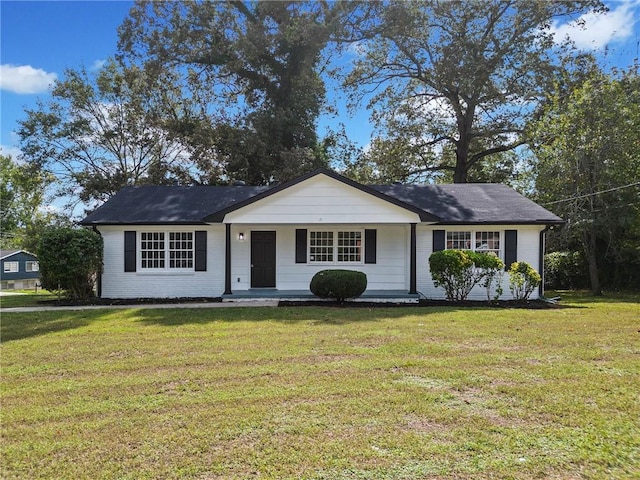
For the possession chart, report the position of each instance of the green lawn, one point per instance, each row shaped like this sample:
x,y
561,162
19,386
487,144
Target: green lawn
x,y
323,393
26,298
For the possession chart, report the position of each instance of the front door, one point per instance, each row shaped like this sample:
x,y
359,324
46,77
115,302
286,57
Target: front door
x,y
263,259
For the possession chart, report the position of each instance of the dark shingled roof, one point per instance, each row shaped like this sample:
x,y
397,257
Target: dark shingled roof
x,y
446,204
168,204
467,203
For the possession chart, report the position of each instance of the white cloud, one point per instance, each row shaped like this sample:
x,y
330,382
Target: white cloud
x,y
25,79
10,150
595,31
97,65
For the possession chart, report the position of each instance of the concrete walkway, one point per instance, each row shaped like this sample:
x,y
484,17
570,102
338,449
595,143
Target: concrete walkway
x,y
256,303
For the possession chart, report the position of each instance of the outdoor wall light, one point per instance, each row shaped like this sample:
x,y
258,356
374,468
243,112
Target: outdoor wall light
x,y
241,236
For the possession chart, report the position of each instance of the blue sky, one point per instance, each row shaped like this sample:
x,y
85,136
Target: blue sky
x,y
40,39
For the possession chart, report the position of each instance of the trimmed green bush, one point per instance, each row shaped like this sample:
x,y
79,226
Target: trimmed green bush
x,y
70,260
338,284
523,280
458,271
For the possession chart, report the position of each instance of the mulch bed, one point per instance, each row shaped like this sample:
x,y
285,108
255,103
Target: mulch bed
x,y
530,304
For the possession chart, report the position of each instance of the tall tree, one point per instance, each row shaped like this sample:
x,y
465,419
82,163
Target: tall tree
x,y
22,195
588,171
455,81
254,69
101,132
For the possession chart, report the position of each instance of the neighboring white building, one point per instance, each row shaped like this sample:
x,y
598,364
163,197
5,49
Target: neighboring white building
x,y
242,241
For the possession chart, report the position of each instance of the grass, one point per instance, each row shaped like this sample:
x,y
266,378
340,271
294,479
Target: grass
x,y
26,298
324,393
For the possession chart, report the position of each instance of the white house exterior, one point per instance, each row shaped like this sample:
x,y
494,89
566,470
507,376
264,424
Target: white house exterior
x,y
234,242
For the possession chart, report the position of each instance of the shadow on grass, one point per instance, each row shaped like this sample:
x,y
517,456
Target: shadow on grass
x,y
26,325
584,297
320,315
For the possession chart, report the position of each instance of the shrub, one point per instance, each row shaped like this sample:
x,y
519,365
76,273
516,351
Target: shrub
x,y
566,270
70,260
458,271
492,270
338,284
523,279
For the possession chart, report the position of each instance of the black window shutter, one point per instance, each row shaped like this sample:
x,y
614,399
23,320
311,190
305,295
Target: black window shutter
x,y
201,251
301,245
370,246
130,251
438,240
510,247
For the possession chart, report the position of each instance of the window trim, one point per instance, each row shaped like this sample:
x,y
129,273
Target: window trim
x,y
167,269
15,267
31,263
473,234
334,247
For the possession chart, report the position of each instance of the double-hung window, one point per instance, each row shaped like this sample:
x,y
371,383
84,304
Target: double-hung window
x,y
341,246
480,241
32,266
11,267
166,251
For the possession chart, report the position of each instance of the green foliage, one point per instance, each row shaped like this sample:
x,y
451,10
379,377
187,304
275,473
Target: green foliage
x,y
565,270
70,260
338,284
523,280
22,188
253,67
102,131
458,271
454,82
588,170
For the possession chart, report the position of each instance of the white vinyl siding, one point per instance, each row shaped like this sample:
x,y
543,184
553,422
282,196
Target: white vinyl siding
x,y
321,200
390,272
528,251
167,283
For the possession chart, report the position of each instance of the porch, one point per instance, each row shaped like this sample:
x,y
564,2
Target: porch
x,y
376,296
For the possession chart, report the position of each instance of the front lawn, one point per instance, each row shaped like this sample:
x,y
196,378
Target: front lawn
x,y
323,393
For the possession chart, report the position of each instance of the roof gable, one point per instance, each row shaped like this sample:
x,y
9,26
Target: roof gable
x,y
353,190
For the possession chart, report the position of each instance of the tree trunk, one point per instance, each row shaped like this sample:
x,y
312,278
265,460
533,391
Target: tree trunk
x,y
460,173
593,264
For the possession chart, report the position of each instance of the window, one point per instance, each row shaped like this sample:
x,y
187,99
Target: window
x,y
32,266
483,241
152,249
155,250
347,247
10,267
458,240
488,242
181,250
321,246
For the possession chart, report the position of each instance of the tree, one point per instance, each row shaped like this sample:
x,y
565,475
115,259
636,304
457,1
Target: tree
x,y
253,69
588,172
452,83
22,194
70,260
102,132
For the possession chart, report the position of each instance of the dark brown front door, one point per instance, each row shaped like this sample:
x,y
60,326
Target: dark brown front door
x,y
263,259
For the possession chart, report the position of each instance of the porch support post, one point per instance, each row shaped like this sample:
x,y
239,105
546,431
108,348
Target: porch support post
x,y
227,260
412,261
